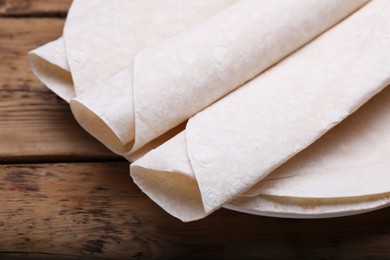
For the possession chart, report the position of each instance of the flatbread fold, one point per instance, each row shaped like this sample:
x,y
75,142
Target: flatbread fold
x,y
151,66
260,82
236,142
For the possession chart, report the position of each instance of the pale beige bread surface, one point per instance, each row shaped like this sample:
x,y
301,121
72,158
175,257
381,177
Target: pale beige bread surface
x,y
153,87
49,64
236,142
138,24
350,160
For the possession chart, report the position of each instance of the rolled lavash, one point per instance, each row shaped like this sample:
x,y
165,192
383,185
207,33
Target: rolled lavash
x,y
236,142
111,33
350,160
133,81
346,171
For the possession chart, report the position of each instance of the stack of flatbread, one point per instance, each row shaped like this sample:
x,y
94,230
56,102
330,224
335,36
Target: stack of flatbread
x,y
248,105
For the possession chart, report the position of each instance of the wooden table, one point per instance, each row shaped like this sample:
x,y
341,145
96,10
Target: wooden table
x,y
63,195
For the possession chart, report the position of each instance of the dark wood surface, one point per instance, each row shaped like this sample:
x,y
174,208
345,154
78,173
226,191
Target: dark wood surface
x,y
93,209
34,8
64,196
35,123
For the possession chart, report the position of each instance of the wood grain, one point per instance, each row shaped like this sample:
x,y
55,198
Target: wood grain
x,y
35,125
94,209
19,8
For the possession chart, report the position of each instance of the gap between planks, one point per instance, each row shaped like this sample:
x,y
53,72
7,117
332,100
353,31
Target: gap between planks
x,y
58,15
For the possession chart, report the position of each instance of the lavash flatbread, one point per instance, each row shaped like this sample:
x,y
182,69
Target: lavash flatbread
x,y
166,66
238,141
141,68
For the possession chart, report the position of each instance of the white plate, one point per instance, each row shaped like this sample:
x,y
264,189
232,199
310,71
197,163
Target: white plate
x,y
304,208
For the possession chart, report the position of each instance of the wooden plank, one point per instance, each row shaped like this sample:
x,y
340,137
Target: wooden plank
x,y
35,125
94,210
34,7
